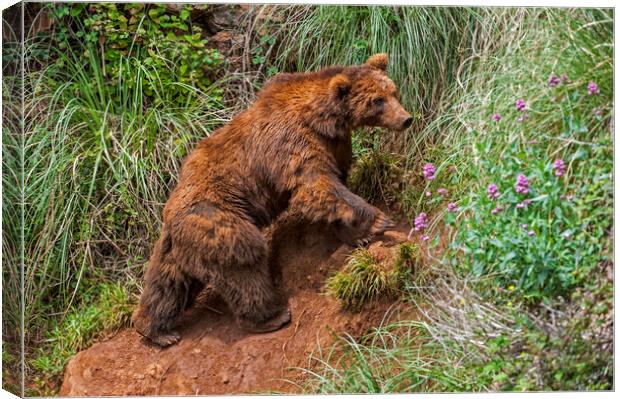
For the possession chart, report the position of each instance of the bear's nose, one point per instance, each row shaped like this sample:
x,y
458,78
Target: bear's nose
x,y
407,122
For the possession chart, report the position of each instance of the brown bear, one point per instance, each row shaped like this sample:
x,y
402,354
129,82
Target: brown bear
x,y
287,156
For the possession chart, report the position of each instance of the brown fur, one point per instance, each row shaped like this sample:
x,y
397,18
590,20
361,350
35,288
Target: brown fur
x,y
285,157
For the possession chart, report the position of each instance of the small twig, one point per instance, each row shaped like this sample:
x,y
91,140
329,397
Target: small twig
x,y
161,378
215,310
292,335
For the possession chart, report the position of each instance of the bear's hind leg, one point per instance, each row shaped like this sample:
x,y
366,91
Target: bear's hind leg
x,y
195,288
166,295
228,251
253,298
245,281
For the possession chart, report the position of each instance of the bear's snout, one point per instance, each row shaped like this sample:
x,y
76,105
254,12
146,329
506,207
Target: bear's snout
x,y
398,118
394,116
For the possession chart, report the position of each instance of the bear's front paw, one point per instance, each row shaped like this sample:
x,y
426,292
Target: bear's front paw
x,y
381,224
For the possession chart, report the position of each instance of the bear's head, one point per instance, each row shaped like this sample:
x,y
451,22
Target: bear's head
x,y
368,96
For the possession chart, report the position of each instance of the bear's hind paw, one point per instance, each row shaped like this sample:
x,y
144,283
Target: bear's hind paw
x,y
168,339
164,339
273,324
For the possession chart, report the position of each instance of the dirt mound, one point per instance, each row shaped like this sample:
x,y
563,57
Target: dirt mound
x,y
214,355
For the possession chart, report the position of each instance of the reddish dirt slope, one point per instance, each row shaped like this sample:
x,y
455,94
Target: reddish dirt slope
x,y
214,356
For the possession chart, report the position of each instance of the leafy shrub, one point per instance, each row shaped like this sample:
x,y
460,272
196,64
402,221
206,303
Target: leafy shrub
x,y
522,112
546,241
135,36
574,352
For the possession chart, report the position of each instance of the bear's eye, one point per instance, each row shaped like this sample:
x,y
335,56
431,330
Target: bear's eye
x,y
378,101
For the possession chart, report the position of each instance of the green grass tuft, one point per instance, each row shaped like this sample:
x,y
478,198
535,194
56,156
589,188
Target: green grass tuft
x,y
407,263
361,280
375,176
396,358
364,279
96,318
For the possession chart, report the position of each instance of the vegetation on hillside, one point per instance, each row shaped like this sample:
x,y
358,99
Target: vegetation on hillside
x,y
505,177
517,171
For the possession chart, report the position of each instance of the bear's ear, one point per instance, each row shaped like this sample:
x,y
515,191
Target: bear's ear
x,y
378,61
339,85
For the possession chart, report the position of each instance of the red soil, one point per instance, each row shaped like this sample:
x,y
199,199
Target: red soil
x,y
215,356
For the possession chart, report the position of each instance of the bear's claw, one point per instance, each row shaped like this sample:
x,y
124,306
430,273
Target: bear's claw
x,y
382,223
163,339
167,339
275,323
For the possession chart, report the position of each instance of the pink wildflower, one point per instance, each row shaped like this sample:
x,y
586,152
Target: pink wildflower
x,y
429,171
523,118
593,88
553,80
419,223
559,167
522,186
492,191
